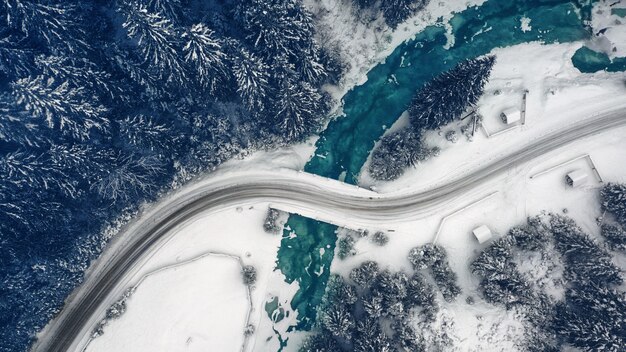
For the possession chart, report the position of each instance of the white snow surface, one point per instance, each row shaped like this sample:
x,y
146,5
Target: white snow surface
x,y
200,306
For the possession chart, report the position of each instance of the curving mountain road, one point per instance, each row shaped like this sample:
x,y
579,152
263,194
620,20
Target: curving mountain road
x,y
109,275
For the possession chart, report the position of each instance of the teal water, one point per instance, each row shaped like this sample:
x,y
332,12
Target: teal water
x,y
618,12
589,61
374,106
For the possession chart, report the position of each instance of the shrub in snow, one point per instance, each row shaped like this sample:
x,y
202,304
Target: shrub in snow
x,y
249,275
380,238
249,330
345,247
614,236
271,224
451,136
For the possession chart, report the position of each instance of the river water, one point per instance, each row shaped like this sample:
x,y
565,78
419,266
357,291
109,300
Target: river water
x,y
307,246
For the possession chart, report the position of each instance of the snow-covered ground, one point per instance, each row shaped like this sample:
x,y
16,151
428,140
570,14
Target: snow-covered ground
x,y
610,29
199,306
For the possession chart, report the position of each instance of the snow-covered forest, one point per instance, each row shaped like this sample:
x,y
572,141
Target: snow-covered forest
x,y
558,282
439,102
105,104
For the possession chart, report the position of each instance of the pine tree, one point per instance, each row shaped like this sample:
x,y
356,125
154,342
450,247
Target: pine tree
x,y
614,236
448,95
613,200
68,109
145,132
251,74
204,51
156,40
298,110
339,321
425,256
396,152
364,274
446,280
52,24
131,176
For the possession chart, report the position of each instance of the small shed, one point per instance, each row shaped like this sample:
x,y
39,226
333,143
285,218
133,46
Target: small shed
x,y
576,178
482,233
511,115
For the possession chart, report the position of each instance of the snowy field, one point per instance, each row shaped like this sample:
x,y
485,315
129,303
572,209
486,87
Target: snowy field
x,y
200,306
208,312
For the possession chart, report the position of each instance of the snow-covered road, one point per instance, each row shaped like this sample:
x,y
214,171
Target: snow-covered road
x,y
297,192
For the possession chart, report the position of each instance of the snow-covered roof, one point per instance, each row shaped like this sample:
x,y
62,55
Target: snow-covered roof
x,y
576,178
482,233
511,115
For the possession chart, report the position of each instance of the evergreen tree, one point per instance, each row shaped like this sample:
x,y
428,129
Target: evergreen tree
x,y
298,110
204,51
425,256
156,40
396,152
62,107
364,274
396,11
448,95
614,236
251,74
613,200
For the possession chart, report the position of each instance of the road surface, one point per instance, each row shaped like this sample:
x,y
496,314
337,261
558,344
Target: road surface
x,y
109,276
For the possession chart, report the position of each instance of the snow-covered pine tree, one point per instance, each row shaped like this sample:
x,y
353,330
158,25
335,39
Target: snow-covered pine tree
x,y
396,11
448,95
425,256
446,280
130,176
298,110
170,8
251,74
320,342
613,200
338,321
614,236
281,27
396,152
204,51
370,337
156,39
145,133
52,23
16,59
61,106
364,274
